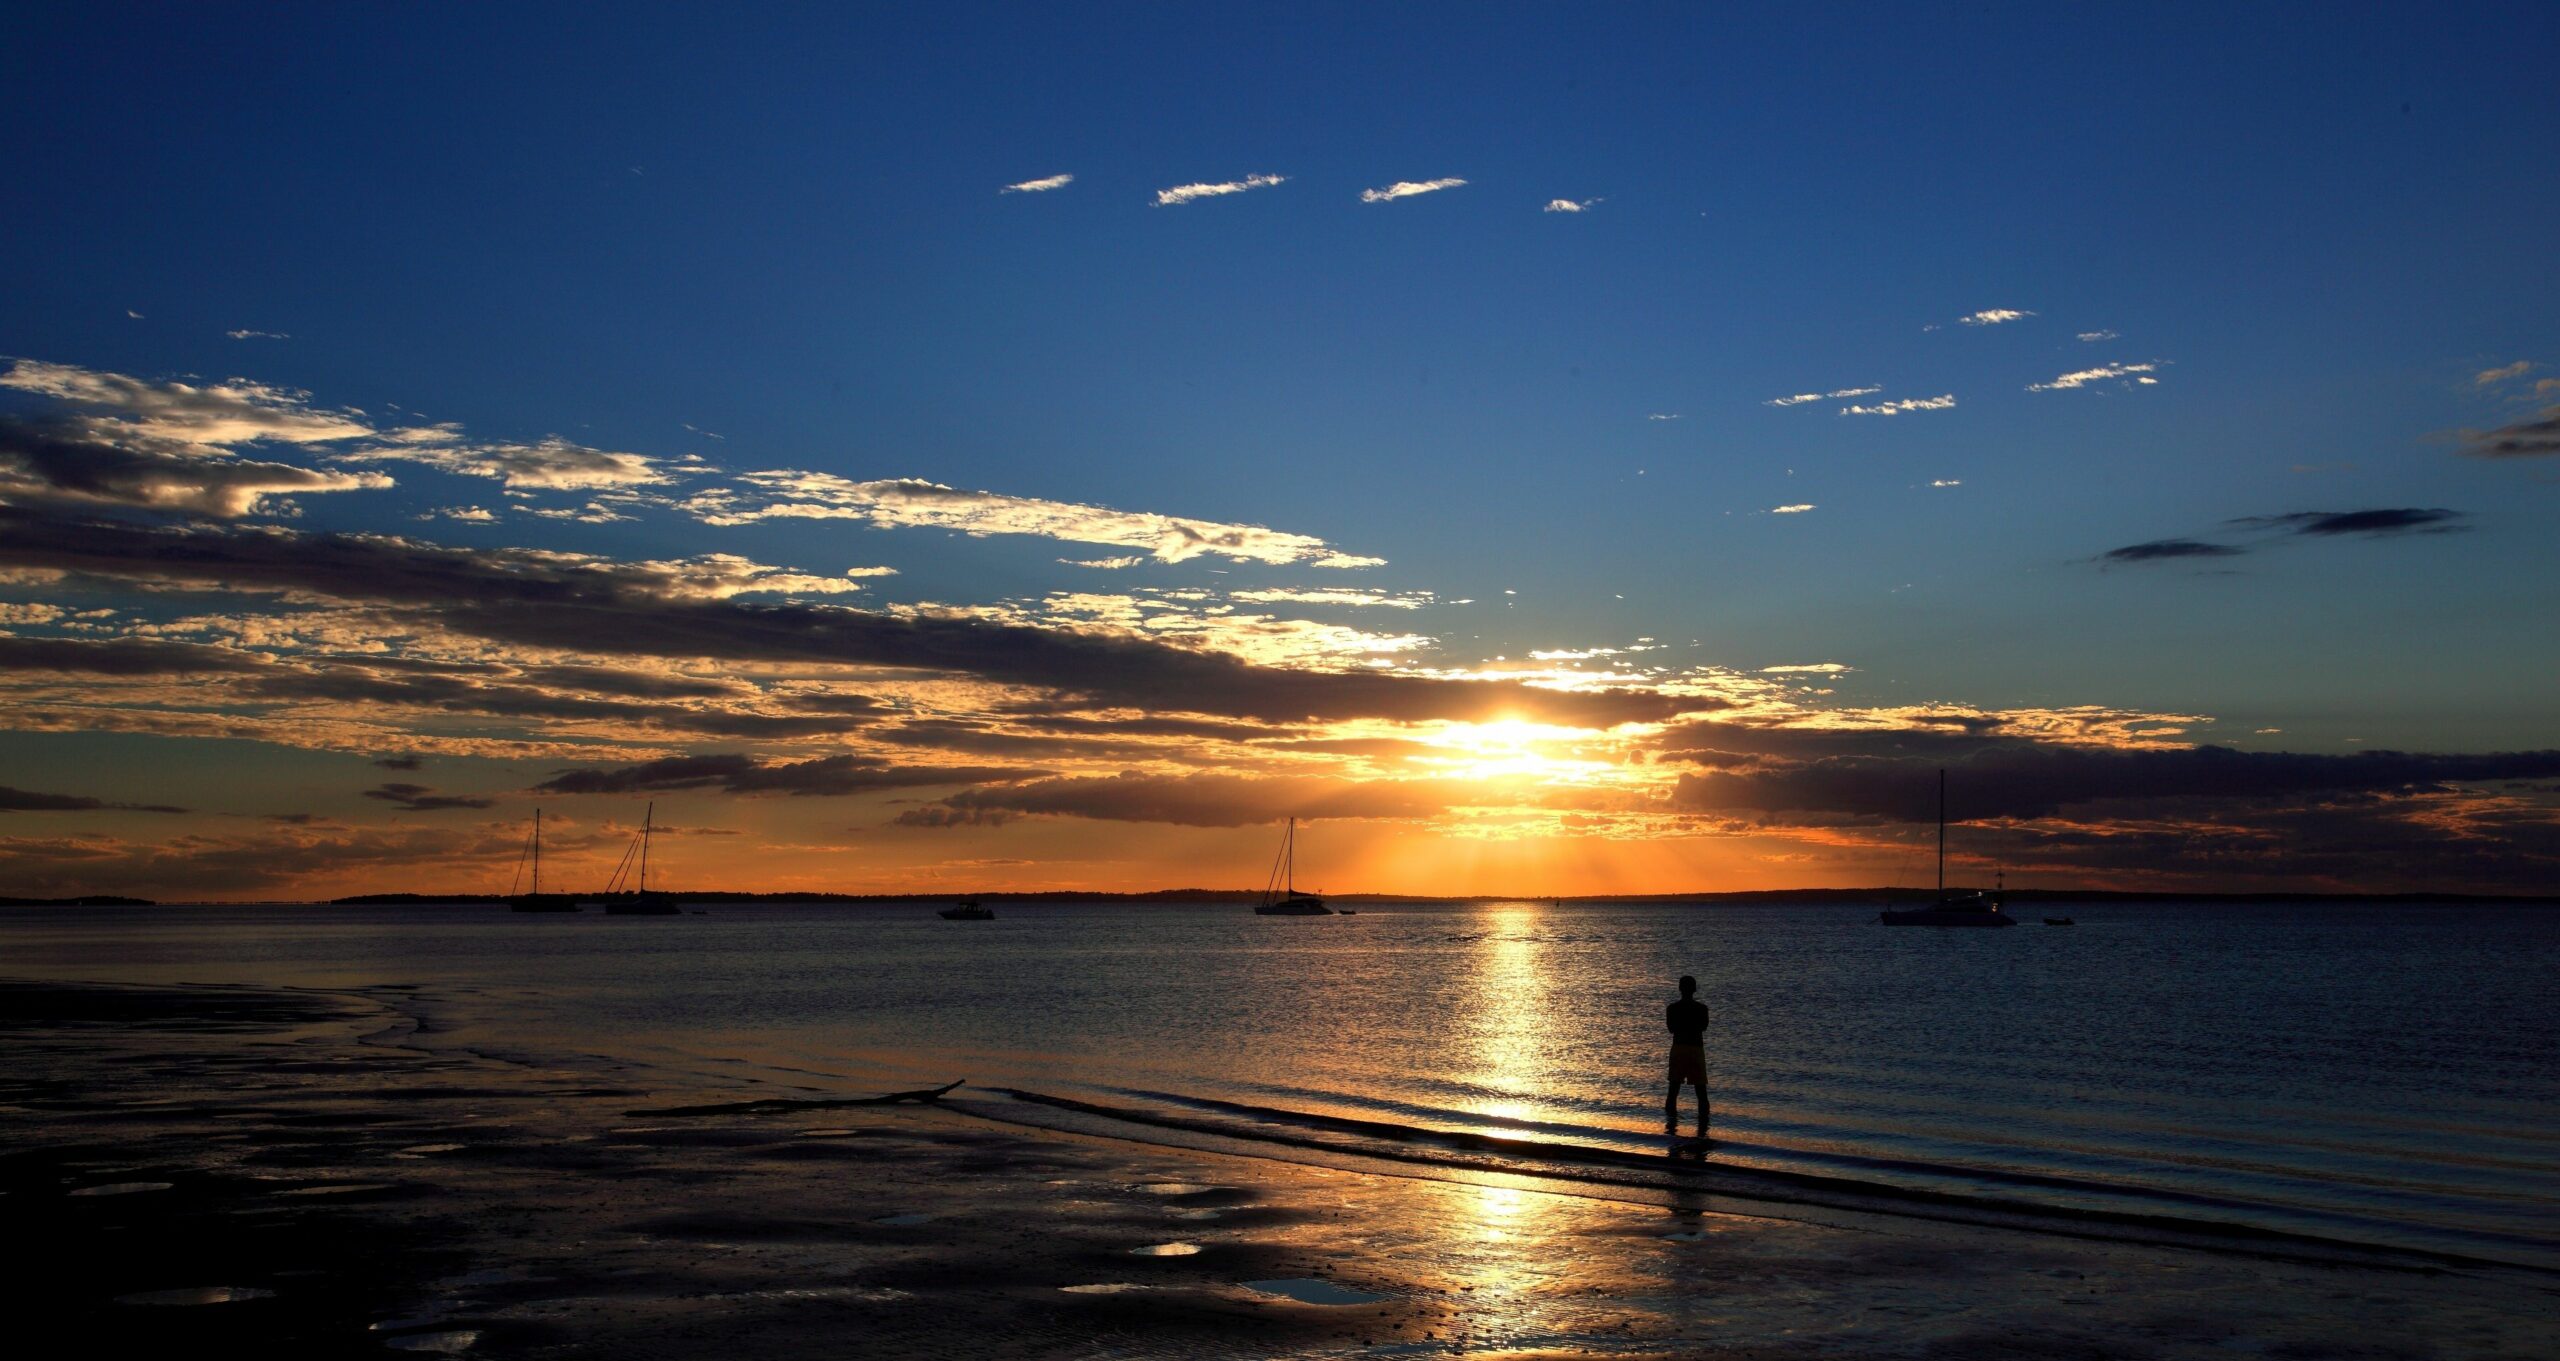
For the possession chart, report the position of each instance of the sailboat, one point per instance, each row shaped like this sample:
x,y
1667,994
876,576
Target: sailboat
x,y
1975,908
537,900
639,901
1280,895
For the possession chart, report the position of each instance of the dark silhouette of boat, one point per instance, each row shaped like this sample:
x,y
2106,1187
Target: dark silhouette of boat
x,y
1974,908
971,911
1280,895
537,900
640,900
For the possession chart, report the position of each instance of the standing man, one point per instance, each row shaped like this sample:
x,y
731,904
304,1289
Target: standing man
x,y
1688,1021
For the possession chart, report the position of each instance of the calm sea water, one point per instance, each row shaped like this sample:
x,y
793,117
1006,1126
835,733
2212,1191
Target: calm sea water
x,y
2377,1073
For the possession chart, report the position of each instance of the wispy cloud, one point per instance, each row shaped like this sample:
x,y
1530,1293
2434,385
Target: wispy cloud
x,y
1797,509
235,411
1994,316
2093,337
553,464
2168,550
1946,482
29,801
1567,205
418,798
1801,398
2537,438
914,502
257,335
1186,193
2138,374
478,515
1106,564
1040,186
1806,668
1664,416
2330,523
2492,377
1939,403
1408,189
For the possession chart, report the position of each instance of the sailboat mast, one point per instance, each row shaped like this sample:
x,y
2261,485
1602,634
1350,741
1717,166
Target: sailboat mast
x,y
1289,857
1942,834
648,826
537,852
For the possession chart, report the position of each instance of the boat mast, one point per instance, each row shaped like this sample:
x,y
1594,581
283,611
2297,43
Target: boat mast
x,y
1942,835
537,852
648,825
1289,857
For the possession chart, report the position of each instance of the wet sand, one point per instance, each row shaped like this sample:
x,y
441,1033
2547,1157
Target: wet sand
x,y
203,1169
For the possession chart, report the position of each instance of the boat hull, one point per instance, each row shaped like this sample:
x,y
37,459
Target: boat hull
x,y
1938,916
644,905
1299,906
543,902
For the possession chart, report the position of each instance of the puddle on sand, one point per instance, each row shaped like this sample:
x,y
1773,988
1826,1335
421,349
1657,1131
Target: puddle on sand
x,y
123,1188
1173,1188
1308,1290
198,1294
904,1221
451,1343
1165,1250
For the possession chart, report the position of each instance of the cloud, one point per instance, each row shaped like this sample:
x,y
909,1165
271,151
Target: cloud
x,y
1186,193
2537,438
2493,377
1104,564
687,610
1566,205
62,463
218,414
476,515
2092,337
553,464
916,503
398,762
1797,509
1200,800
1946,482
825,776
1940,403
1278,595
2164,550
1663,416
1040,186
28,801
1803,397
1994,316
2329,523
2102,373
417,798
1409,188
257,335
125,657
1818,668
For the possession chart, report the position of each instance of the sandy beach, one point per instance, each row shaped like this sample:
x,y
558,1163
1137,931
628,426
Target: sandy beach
x,y
302,1173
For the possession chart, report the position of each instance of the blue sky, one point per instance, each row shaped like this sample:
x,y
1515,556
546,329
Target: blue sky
x,y
2312,229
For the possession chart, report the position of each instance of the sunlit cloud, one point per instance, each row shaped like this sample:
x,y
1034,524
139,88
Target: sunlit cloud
x,y
1807,668
2493,377
1797,509
2103,373
1105,564
257,335
1407,189
1946,482
478,515
1567,205
1186,193
1801,398
236,411
914,502
2092,337
553,464
1663,416
1040,186
1940,403
1994,316
1406,600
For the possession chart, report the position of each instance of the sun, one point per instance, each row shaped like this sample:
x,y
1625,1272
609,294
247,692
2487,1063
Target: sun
x,y
1513,749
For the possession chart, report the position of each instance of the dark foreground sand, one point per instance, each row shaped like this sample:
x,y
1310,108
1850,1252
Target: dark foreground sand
x,y
207,1172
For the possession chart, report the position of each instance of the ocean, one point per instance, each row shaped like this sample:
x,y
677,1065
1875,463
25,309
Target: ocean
x,y
2374,1074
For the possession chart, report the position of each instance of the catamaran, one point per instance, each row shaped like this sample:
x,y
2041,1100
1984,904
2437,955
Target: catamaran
x,y
1974,908
1280,895
639,900
537,900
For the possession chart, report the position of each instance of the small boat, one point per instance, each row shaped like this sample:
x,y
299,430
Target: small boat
x,y
1975,908
1280,895
2060,921
971,911
640,900
537,900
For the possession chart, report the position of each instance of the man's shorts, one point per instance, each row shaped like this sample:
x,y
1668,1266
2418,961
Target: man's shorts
x,y
1689,1061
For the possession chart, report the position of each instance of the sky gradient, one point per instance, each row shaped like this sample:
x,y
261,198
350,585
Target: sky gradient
x,y
1555,452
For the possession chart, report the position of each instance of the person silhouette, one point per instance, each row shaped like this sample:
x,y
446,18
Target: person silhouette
x,y
1687,1019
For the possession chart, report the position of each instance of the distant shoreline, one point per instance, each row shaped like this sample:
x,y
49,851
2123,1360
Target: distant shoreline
x,y
1782,897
